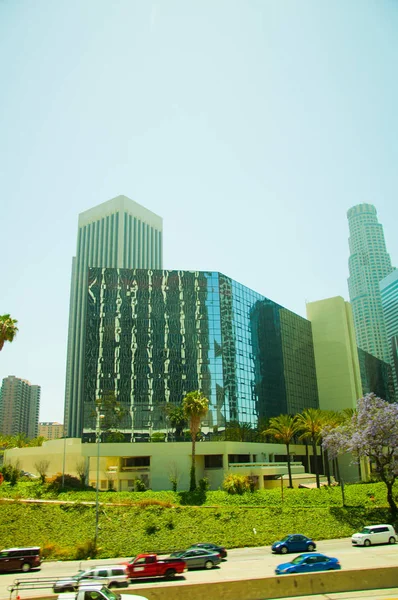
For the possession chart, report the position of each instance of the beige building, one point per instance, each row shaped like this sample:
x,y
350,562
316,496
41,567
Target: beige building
x,y
19,407
155,463
336,354
51,430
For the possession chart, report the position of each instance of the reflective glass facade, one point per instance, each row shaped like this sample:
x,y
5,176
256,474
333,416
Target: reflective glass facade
x,y
154,335
389,299
376,376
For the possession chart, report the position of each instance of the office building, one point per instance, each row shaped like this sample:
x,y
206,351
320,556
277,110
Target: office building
x,y
19,407
369,263
51,430
344,371
154,335
336,357
118,233
389,299
376,376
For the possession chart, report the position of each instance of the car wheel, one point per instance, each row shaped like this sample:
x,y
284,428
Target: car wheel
x,y
392,540
113,584
366,543
208,564
283,550
170,573
311,547
25,567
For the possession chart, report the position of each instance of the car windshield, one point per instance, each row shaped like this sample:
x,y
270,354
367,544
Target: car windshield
x,y
110,595
365,530
297,560
286,538
177,554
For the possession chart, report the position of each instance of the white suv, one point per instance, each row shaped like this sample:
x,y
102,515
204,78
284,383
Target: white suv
x,y
110,575
375,534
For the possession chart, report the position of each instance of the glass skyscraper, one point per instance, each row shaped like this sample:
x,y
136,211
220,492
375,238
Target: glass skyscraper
x,y
368,264
389,299
117,233
154,335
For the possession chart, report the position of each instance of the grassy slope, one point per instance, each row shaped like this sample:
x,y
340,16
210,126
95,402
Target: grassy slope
x,y
126,530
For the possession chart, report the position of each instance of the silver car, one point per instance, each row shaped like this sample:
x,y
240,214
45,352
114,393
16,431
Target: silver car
x,y
109,575
198,558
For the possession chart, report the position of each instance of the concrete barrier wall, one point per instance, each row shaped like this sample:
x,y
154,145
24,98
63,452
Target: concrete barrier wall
x,y
273,587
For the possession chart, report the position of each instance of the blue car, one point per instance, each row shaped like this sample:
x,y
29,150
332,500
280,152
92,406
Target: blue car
x,y
294,543
308,563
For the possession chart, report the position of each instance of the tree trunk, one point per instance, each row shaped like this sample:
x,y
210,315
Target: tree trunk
x,y
390,496
315,455
289,468
337,469
192,483
327,466
307,455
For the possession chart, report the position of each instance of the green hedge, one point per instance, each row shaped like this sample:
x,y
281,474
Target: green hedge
x,y
128,530
369,495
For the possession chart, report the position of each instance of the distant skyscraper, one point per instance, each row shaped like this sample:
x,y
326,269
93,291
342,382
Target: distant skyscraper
x,y
51,430
389,299
118,233
368,264
19,407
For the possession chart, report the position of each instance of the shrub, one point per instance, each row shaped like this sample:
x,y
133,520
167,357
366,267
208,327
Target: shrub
x,y
139,486
158,436
174,482
48,550
70,481
236,484
86,549
203,484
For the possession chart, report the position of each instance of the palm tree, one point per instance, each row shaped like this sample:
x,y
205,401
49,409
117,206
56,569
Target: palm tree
x,y
310,423
195,406
283,429
8,329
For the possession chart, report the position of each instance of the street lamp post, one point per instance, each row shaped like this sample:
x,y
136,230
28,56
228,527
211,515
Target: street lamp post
x,y
98,441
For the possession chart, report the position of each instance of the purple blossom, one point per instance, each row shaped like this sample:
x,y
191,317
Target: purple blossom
x,y
372,432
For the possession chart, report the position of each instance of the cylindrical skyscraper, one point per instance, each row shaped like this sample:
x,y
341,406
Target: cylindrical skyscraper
x,y
368,264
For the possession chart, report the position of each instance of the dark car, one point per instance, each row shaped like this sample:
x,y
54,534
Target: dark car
x,y
308,563
198,558
294,543
212,547
20,559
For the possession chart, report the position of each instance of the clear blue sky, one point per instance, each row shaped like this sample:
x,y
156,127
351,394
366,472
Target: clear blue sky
x,y
251,127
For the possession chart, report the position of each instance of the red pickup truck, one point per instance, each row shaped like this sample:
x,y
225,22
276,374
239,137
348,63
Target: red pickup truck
x,y
149,565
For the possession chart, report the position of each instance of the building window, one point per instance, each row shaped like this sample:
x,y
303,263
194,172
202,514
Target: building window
x,y
136,461
214,461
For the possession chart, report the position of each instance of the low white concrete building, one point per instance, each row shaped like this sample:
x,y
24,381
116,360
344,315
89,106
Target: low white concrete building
x,y
120,464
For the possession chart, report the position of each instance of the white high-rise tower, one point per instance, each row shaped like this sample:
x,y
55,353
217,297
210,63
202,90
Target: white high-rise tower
x,y
369,263
118,233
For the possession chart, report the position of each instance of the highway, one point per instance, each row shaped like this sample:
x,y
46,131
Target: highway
x,y
242,563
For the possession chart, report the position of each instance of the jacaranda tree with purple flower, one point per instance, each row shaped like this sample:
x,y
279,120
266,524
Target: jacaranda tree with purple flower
x,y
371,432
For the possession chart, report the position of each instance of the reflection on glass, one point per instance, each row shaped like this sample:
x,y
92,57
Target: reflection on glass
x,y
153,336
